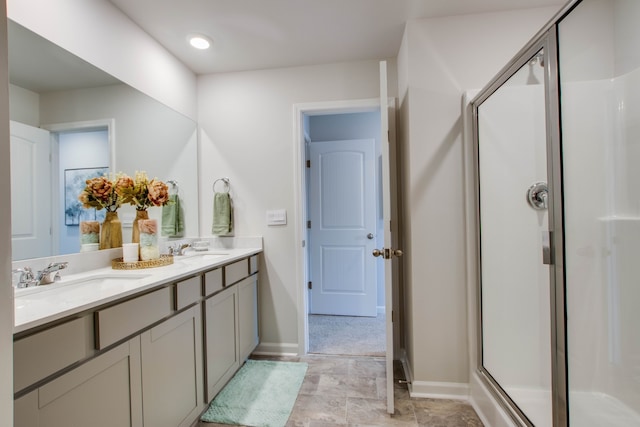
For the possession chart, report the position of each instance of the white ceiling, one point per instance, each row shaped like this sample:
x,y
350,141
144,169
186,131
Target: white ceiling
x,y
259,34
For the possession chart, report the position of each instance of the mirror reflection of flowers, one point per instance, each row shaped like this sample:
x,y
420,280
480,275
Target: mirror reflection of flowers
x,y
102,193
143,192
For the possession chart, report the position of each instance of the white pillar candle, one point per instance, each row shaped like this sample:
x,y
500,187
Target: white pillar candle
x,y
130,252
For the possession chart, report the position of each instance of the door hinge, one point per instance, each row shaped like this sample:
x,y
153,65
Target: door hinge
x,y
393,316
310,285
308,163
308,224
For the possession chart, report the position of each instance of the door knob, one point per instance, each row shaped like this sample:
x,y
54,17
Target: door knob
x,y
370,236
387,253
538,195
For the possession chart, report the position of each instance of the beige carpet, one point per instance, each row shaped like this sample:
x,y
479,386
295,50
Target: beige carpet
x,y
357,336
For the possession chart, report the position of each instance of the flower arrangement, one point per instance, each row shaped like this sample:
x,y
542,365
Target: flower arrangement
x,y
110,193
142,192
102,193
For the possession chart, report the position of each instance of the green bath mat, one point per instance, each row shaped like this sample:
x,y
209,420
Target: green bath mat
x,y
261,394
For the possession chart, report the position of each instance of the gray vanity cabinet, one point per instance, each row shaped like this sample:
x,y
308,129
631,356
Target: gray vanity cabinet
x,y
221,338
104,392
248,315
149,359
171,355
231,320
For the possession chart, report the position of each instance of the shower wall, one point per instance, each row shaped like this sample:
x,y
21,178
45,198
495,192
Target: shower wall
x,y
600,87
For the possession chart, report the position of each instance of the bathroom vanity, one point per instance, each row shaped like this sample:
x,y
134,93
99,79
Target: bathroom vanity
x,y
144,347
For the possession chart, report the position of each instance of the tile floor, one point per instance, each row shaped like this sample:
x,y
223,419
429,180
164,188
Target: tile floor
x,y
351,392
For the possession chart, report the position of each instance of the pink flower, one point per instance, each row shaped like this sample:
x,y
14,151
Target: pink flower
x,y
148,226
158,193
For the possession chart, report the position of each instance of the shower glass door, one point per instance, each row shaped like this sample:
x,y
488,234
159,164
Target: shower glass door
x,y
515,337
600,111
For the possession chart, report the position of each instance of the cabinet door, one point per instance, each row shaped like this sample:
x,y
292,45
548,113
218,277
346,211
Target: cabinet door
x,y
104,392
221,324
172,371
248,315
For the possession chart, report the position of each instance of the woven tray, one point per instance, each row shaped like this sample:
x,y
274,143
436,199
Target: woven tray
x,y
119,264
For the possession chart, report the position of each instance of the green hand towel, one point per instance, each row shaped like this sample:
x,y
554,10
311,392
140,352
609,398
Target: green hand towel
x,y
222,214
172,224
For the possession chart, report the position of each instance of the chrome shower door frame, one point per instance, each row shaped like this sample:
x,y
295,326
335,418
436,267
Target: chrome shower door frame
x,y
546,40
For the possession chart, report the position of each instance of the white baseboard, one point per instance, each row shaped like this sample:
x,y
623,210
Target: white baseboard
x,y
439,390
432,389
276,349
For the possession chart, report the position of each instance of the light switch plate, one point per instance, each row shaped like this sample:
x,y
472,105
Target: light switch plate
x,y
277,217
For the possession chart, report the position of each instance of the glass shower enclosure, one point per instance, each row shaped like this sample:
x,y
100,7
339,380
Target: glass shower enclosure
x,y
557,155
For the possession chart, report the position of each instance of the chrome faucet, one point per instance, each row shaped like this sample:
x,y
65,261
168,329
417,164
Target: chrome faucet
x,y
178,249
27,279
51,273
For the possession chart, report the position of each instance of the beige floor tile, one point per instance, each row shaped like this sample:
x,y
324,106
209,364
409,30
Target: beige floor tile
x,y
316,407
373,412
340,385
381,388
445,413
372,367
310,384
326,365
351,392
323,424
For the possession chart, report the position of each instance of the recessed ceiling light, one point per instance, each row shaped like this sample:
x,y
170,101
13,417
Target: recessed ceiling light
x,y
200,42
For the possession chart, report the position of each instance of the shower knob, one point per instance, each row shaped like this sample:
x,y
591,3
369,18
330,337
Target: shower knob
x,y
537,196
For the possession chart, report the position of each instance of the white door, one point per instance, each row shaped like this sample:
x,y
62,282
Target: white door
x,y
30,192
390,252
342,214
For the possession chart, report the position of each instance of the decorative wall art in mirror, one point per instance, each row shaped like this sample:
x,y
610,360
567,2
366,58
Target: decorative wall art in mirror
x,y
56,96
74,182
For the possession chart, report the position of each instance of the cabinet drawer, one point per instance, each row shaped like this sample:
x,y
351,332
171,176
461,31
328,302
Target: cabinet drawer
x,y
125,319
253,264
213,281
187,292
236,271
40,355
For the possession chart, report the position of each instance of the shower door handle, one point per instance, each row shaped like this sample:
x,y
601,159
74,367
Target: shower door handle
x,y
546,248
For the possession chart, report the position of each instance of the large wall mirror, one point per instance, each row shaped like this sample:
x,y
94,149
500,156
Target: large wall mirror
x,y
69,118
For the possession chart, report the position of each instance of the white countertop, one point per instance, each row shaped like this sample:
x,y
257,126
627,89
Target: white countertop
x,y
76,293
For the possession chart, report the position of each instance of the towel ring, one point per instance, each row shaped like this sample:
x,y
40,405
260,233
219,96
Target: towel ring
x,y
174,186
227,185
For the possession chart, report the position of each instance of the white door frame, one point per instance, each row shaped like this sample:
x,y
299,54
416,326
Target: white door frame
x,y
302,277
55,129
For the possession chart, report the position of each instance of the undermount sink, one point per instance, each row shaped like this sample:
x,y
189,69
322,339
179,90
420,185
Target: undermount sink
x,y
105,279
196,257
100,280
